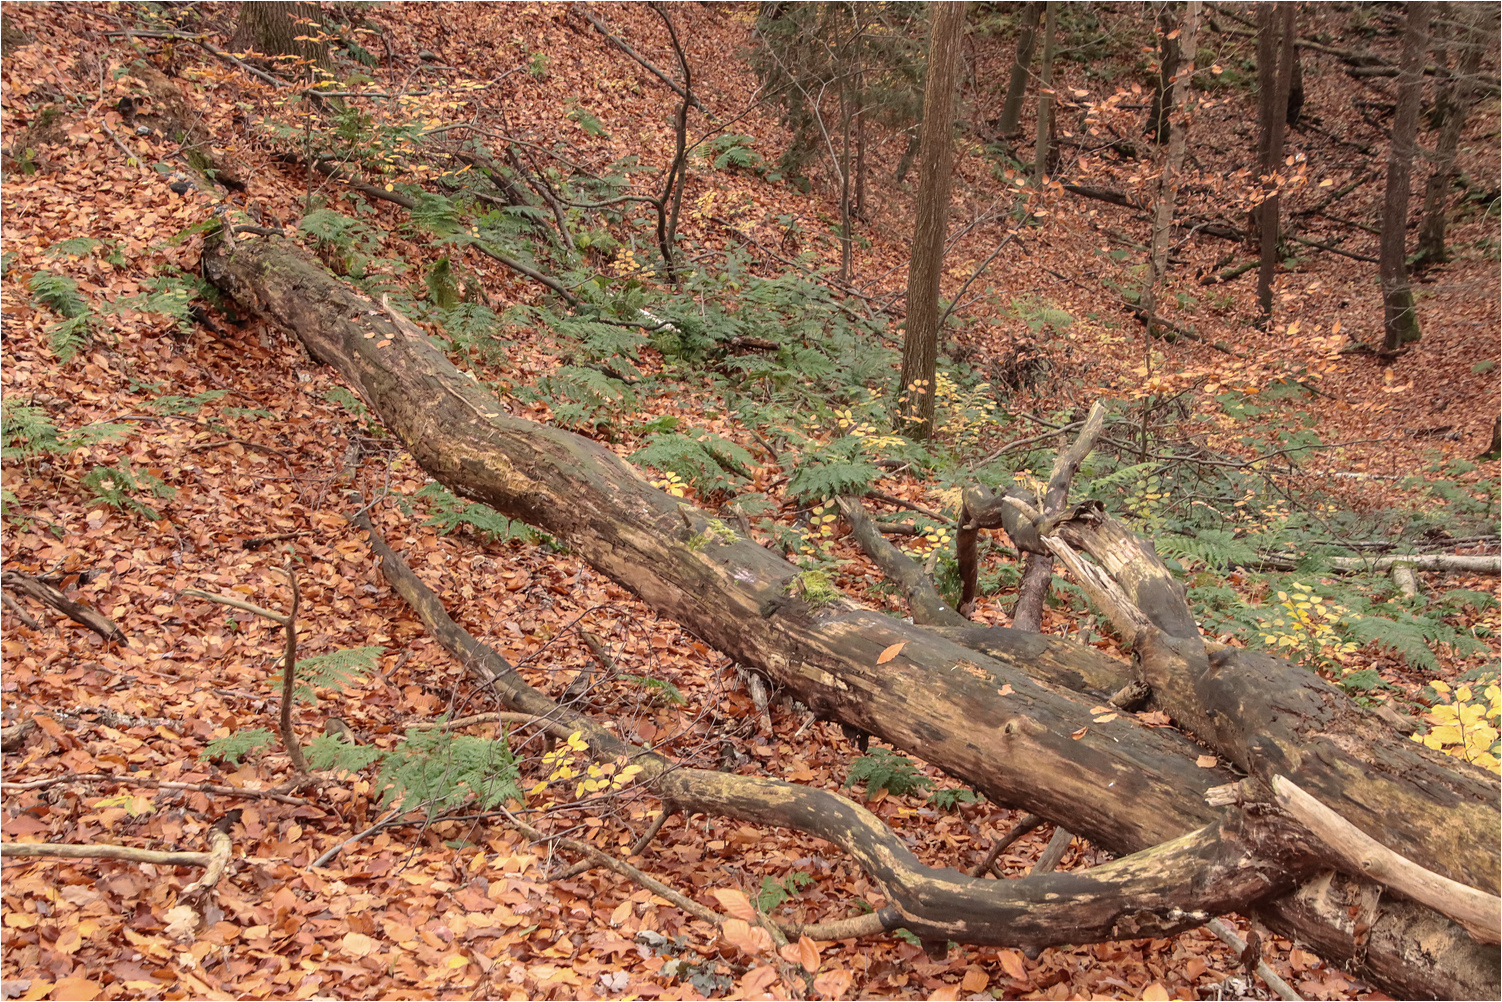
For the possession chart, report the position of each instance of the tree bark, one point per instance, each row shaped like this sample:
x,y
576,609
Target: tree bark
x,y
1006,720
1177,78
1027,40
1400,318
920,342
1168,60
1272,160
273,28
1045,93
1452,108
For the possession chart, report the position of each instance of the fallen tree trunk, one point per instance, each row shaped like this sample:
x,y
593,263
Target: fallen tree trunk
x,y
995,719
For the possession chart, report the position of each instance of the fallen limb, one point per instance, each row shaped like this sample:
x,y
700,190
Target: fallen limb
x,y
131,854
1269,977
604,29
155,784
1479,912
55,599
1126,898
985,719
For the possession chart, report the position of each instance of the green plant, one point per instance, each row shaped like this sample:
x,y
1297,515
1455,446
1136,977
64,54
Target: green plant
x,y
60,294
949,799
28,432
881,769
329,752
707,463
657,690
774,893
730,149
119,485
448,513
439,770
334,670
346,245
588,122
236,746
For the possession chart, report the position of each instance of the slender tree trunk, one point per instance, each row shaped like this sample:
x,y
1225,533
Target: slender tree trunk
x,y
920,342
1293,108
1045,93
860,142
1027,41
1168,58
847,102
1175,118
1400,319
1453,106
1267,83
1273,154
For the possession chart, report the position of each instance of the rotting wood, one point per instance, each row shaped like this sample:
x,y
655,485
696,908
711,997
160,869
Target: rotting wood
x,y
1123,786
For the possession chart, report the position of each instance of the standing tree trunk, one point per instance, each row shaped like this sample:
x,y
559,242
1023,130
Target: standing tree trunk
x,y
1452,107
273,28
847,113
1027,40
1045,94
1267,82
1168,58
920,342
1400,319
1177,79
1272,159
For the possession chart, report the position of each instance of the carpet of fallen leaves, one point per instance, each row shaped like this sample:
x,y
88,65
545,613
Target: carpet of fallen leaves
x,y
463,907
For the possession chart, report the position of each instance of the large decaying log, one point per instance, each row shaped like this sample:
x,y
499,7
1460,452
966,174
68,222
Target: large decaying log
x,y
991,719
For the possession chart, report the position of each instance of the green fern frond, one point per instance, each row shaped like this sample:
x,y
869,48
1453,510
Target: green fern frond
x,y
339,669
59,293
236,746
440,771
329,752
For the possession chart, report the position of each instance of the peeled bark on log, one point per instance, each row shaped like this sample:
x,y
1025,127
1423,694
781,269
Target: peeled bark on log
x,y
984,718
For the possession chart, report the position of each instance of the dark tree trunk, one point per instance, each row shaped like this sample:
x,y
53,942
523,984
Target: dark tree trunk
x,y
1272,159
920,342
1001,713
272,28
1451,109
1045,93
1168,58
1400,318
1027,40
1177,79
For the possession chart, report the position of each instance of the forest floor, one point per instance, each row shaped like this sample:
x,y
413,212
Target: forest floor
x,y
233,446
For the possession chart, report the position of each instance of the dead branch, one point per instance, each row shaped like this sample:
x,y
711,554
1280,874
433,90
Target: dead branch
x,y
604,29
1364,856
52,597
156,784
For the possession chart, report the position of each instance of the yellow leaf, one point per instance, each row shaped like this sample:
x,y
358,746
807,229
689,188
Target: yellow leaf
x,y
890,653
1205,761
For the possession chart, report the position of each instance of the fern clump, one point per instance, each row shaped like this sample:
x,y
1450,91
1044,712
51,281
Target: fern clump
x,y
121,487
336,670
439,771
881,769
233,747
448,513
706,463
